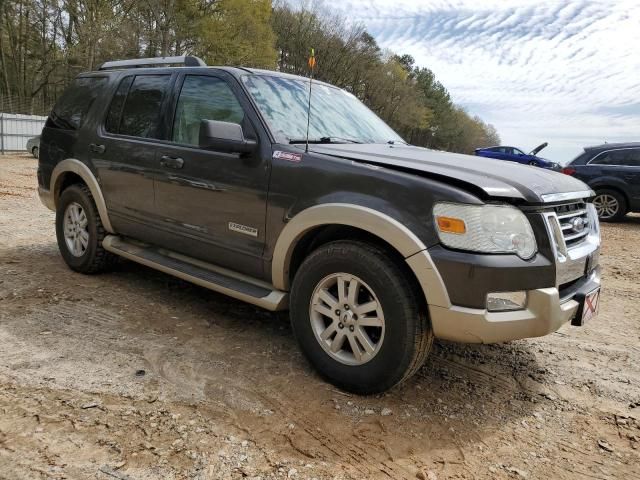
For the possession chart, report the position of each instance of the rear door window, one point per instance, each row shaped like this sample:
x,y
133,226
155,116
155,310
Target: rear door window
x,y
139,108
629,157
633,158
71,110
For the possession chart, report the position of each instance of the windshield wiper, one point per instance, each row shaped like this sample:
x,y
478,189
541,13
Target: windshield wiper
x,y
324,140
339,140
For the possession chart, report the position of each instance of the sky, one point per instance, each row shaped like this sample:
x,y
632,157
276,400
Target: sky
x,y
563,72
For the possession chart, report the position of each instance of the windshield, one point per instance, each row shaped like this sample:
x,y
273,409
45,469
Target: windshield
x,y
336,115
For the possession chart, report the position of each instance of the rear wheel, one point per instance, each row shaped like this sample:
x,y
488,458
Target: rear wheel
x,y
80,233
359,318
35,152
610,205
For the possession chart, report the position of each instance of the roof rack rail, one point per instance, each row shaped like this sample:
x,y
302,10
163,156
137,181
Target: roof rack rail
x,y
187,61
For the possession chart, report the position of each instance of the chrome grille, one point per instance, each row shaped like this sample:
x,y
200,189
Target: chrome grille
x,y
574,222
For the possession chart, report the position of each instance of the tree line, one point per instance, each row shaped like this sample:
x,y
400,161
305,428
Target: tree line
x,y
46,43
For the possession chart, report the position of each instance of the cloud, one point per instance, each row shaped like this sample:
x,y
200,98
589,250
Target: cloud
x,y
565,72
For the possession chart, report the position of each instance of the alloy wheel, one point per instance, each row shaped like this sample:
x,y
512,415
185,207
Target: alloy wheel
x,y
347,319
606,205
75,228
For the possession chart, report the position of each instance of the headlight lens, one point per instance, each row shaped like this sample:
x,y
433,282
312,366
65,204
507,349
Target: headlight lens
x,y
485,228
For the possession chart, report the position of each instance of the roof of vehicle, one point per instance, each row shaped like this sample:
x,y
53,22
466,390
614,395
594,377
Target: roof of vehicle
x,y
608,146
235,71
496,146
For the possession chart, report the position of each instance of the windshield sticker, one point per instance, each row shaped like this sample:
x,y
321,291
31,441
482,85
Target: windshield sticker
x,y
288,156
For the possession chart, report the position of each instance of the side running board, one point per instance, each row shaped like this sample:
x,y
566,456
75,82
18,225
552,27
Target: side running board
x,y
201,273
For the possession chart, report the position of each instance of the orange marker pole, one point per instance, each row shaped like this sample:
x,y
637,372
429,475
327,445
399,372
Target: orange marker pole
x,y
312,64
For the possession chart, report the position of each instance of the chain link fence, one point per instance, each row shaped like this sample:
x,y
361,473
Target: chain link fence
x,y
25,106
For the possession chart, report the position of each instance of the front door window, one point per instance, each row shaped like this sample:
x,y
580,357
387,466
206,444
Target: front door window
x,y
203,98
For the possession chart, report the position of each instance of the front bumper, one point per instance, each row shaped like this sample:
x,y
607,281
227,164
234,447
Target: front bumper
x,y
46,197
456,284
545,313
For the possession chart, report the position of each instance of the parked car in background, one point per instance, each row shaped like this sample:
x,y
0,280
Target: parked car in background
x,y
33,146
612,170
513,154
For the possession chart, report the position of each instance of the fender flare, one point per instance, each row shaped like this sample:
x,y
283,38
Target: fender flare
x,y
76,166
403,240
611,184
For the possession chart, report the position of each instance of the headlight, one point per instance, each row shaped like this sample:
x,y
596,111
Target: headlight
x,y
485,228
594,221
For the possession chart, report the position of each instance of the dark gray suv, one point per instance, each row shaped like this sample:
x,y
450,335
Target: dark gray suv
x,y
613,171
376,246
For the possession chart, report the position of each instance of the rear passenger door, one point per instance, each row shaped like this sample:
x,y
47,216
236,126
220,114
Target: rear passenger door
x,y
629,170
634,176
124,152
617,168
501,153
212,204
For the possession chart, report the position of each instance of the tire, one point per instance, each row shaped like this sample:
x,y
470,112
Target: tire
x,y
90,258
533,163
35,151
610,205
401,344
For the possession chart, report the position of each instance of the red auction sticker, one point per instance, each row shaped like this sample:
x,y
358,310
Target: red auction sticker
x,y
288,156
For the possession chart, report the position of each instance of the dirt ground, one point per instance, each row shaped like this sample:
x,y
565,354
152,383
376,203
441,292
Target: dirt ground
x,y
137,375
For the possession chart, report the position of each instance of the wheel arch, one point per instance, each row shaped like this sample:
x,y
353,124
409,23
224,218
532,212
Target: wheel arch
x,y
327,222
69,171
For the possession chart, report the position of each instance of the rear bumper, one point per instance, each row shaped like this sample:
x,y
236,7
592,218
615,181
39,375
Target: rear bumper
x,y
545,313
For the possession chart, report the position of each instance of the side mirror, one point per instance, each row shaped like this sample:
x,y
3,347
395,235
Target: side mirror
x,y
224,137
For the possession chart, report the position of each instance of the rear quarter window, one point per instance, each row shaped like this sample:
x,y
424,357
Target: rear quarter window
x,y
71,110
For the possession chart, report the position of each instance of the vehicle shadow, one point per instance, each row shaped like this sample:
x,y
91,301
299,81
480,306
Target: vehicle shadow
x,y
209,349
630,219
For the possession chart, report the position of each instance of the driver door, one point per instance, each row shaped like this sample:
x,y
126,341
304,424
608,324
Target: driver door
x,y
212,204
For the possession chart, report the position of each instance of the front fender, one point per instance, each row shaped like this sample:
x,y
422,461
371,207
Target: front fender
x,y
383,226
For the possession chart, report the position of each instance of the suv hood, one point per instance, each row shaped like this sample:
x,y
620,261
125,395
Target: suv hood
x,y
494,178
535,151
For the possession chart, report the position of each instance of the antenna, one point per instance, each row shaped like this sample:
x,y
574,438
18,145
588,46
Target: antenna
x,y
312,64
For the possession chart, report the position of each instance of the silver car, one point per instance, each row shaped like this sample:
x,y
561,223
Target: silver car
x,y
33,146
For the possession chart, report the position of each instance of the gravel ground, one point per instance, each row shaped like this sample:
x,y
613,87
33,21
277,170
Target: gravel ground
x,y
137,375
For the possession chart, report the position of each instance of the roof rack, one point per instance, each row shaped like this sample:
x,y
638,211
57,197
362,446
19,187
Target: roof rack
x,y
187,61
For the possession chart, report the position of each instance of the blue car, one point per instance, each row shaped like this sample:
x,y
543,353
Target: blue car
x,y
513,154
612,170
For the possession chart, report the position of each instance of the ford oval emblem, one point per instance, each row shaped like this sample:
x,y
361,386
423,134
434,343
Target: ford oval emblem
x,y
577,224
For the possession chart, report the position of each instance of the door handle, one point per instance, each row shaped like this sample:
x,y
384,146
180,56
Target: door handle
x,y
97,148
171,162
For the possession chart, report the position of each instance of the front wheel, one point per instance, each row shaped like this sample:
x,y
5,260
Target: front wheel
x,y
610,205
359,317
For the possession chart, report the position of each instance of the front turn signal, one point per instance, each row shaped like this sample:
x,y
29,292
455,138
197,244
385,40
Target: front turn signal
x,y
451,225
